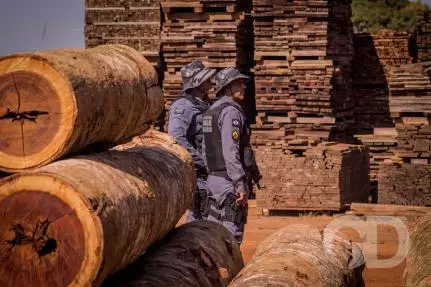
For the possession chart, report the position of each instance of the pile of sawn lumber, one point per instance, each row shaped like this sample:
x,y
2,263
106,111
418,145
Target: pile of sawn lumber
x,y
133,23
302,71
77,207
215,31
374,56
423,37
327,177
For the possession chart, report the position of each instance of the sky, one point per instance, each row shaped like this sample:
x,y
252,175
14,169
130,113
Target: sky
x,y
27,25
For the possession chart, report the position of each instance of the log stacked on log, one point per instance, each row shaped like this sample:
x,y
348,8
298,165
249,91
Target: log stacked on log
x,y
302,71
59,102
62,226
201,253
133,23
404,184
423,37
327,177
418,265
216,31
299,255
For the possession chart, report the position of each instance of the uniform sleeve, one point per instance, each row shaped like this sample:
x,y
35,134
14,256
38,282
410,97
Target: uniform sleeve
x,y
180,116
231,123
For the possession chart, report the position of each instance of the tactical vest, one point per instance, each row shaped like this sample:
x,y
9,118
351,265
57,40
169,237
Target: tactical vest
x,y
194,135
213,140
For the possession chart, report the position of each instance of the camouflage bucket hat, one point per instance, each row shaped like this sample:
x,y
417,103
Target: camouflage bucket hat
x,y
195,74
227,76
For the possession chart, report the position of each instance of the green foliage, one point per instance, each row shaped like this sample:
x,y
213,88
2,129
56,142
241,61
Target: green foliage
x,y
398,15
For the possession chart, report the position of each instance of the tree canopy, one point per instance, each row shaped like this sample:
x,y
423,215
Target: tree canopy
x,y
398,15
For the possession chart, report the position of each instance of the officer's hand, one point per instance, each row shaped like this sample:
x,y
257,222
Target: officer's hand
x,y
242,199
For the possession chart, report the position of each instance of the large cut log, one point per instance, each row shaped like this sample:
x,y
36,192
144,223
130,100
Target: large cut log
x,y
58,102
300,256
75,221
201,254
418,263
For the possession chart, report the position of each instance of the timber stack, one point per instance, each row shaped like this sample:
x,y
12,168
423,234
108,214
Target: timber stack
x,y
302,255
57,103
73,230
423,38
214,31
405,179
201,253
326,177
107,229
136,24
302,71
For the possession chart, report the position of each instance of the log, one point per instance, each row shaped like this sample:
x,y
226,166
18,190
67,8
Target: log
x,y
418,263
201,253
75,221
59,102
299,255
389,210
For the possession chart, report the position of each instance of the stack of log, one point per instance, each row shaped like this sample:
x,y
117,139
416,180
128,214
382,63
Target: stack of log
x,y
326,177
423,38
302,72
215,31
302,255
136,24
60,224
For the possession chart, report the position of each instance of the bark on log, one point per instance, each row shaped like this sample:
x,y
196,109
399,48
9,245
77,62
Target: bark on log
x,y
418,263
59,102
75,221
299,256
197,254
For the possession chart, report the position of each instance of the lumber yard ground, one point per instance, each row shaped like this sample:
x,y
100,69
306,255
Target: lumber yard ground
x,y
260,227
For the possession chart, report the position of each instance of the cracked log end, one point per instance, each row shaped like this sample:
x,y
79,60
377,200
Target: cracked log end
x,y
48,237
36,113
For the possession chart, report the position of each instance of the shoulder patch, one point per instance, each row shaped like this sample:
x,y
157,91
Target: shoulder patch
x,y
235,134
179,111
235,122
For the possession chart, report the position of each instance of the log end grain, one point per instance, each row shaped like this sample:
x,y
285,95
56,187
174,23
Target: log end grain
x,y
48,236
37,111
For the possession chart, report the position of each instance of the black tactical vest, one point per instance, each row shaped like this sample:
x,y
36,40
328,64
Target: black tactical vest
x,y
213,140
194,132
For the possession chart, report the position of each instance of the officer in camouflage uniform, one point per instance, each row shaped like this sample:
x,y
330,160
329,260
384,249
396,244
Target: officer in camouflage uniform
x,y
226,145
185,125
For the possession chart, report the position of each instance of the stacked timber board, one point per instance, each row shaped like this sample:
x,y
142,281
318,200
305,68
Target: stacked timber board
x,y
302,71
216,31
405,184
326,177
374,57
423,38
133,23
410,105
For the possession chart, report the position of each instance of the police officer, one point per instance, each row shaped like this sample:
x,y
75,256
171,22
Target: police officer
x,y
225,142
185,125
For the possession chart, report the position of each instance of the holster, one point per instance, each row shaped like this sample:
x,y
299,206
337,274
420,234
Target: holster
x,y
233,212
201,202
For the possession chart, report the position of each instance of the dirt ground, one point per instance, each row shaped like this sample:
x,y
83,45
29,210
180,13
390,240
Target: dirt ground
x,y
259,227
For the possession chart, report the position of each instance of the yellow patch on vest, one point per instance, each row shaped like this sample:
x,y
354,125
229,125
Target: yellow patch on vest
x,y
235,135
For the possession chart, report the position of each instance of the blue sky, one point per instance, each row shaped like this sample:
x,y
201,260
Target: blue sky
x,y
22,24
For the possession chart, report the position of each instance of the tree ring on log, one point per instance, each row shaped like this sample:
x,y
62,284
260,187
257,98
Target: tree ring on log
x,y
36,102
48,235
